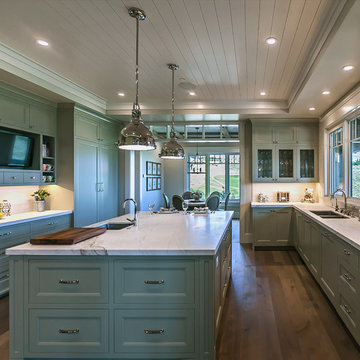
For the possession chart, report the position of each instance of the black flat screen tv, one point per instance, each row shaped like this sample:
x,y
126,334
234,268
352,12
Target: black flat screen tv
x,y
16,150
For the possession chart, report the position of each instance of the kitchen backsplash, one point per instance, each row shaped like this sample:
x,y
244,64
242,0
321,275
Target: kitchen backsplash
x,y
19,197
296,190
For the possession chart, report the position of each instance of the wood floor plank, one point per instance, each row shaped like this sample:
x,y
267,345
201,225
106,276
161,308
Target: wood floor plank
x,y
302,324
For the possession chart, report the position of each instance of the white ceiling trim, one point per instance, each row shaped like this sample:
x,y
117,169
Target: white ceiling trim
x,y
328,31
19,65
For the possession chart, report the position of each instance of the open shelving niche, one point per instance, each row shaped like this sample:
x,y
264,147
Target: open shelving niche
x,y
48,160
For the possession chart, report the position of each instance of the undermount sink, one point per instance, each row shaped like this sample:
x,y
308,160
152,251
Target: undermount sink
x,y
116,226
328,214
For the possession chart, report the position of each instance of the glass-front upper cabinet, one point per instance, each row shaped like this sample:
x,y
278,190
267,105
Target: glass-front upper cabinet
x,y
285,164
264,169
307,168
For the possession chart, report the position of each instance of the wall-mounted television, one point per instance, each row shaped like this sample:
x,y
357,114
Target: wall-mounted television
x,y
16,150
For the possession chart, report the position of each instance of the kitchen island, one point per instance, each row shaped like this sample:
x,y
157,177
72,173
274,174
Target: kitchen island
x,y
151,291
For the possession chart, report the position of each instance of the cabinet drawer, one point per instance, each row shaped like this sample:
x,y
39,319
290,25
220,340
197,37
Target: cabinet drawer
x,y
4,282
52,224
154,282
155,331
31,177
64,281
349,256
349,280
68,331
8,234
349,313
13,177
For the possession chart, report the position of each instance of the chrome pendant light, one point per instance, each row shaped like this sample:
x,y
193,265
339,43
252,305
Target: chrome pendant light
x,y
136,136
172,149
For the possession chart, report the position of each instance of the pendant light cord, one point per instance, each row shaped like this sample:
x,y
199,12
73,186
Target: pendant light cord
x,y
173,102
136,105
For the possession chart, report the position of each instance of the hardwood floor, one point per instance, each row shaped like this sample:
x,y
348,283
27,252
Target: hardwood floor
x,y
276,311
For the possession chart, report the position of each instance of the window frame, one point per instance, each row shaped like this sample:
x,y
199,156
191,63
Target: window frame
x,y
330,153
207,172
349,177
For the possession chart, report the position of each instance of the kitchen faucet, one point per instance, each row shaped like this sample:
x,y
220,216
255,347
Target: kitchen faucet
x,y
133,221
345,201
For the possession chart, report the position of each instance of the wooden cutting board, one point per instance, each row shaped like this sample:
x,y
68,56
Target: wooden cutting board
x,y
67,237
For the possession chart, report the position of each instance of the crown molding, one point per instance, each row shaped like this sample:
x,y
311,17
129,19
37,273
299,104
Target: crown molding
x,y
328,30
23,67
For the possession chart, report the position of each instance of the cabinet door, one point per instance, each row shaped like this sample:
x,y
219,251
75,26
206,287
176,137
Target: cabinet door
x,y
264,164
306,240
329,269
86,183
298,228
109,133
284,135
1,177
283,226
315,253
307,134
14,113
108,183
306,171
263,134
86,127
43,119
264,227
285,164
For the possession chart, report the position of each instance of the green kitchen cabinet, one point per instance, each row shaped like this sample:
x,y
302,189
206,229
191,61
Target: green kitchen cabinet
x,y
87,186
43,119
14,112
95,169
272,226
315,250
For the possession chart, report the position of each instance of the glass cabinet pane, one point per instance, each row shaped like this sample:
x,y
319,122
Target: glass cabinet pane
x,y
264,163
307,167
286,163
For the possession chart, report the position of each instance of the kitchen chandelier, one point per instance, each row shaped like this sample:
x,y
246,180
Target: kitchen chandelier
x,y
172,149
135,135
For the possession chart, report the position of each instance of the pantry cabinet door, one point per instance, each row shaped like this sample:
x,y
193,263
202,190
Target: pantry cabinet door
x,y
283,226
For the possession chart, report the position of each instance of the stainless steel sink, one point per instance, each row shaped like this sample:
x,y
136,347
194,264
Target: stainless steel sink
x,y
328,214
116,226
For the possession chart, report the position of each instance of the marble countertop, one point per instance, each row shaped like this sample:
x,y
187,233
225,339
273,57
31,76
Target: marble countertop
x,y
30,216
157,234
346,229
255,204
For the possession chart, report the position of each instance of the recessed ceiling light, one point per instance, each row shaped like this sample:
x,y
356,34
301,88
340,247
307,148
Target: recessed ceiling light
x,y
263,93
121,94
326,92
192,93
271,40
312,108
42,42
348,67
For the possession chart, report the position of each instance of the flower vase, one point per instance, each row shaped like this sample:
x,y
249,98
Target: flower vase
x,y
40,205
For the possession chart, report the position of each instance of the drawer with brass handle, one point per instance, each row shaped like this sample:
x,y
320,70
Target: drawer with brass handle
x,y
349,256
13,178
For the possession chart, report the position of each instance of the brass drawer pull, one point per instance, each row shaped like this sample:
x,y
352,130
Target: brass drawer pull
x,y
13,177
347,252
52,223
6,276
69,282
347,277
32,177
152,282
69,331
347,310
154,332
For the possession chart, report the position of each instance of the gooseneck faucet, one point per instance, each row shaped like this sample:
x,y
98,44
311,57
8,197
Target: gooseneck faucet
x,y
133,221
345,201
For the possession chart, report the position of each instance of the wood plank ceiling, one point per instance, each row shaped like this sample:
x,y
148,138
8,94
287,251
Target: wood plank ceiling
x,y
219,45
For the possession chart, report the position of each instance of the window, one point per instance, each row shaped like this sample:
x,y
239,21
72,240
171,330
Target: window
x,y
355,158
215,172
336,160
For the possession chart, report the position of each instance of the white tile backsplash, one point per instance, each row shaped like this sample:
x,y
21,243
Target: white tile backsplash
x,y
296,190
19,197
